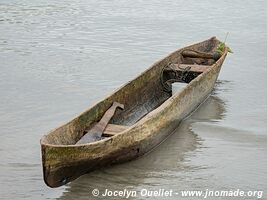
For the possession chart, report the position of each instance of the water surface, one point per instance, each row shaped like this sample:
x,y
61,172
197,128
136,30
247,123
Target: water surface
x,y
58,58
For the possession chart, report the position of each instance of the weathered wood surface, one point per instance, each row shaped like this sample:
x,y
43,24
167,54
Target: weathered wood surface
x,y
198,54
193,68
63,161
95,133
113,129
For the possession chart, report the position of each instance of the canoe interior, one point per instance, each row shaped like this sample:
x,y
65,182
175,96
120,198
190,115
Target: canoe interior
x,y
140,96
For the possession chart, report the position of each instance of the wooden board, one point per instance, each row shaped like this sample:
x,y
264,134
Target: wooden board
x,y
113,129
193,68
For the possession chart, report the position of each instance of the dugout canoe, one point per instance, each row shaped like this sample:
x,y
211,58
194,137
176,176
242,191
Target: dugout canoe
x,y
151,112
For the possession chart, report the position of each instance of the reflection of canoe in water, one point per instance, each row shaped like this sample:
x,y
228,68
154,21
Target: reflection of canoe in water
x,y
151,112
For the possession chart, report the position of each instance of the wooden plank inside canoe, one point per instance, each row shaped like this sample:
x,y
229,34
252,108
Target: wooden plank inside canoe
x,y
193,68
198,54
113,129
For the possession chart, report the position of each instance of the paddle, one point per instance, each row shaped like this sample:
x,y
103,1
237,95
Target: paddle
x,y
96,131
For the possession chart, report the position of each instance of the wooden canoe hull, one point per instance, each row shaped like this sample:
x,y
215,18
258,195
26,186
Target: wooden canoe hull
x,y
63,163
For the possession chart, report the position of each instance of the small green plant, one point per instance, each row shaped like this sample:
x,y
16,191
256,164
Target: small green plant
x,y
221,47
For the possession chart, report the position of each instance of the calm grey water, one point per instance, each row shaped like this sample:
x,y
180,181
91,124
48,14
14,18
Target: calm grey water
x,y
59,57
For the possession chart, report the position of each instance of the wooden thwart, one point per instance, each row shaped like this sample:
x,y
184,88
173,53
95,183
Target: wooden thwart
x,y
193,68
113,129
